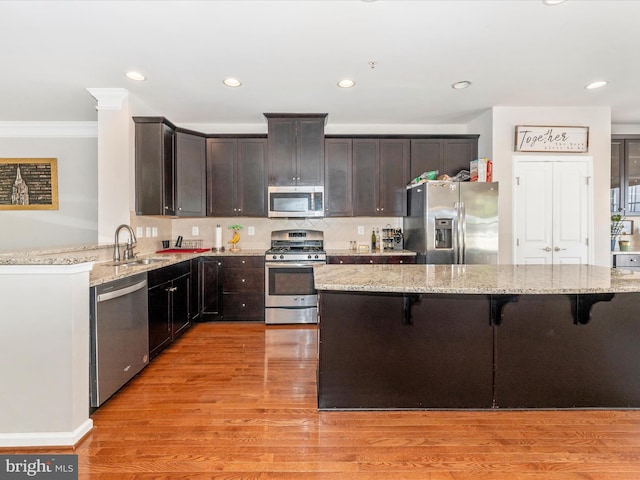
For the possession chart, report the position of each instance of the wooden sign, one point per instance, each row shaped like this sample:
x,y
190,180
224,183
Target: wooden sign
x,y
536,138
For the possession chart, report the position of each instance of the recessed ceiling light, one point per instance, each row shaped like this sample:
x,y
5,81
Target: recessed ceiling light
x,y
553,2
346,83
598,84
461,85
232,82
138,77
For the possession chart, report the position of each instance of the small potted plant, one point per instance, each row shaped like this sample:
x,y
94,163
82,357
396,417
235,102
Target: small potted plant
x,y
235,239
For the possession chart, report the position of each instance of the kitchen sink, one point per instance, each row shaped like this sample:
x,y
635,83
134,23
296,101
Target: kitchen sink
x,y
136,262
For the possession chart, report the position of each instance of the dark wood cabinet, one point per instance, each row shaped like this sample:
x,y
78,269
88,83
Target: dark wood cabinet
x,y
154,166
380,174
447,155
169,302
243,288
338,177
374,259
296,148
625,174
236,173
209,291
231,288
190,175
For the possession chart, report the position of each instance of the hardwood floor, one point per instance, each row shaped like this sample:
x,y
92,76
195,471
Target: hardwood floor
x,y
238,401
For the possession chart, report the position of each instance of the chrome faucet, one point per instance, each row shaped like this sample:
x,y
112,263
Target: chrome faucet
x,y
128,251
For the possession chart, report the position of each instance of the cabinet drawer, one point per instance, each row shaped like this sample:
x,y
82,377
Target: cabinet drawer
x,y
626,260
404,259
243,280
165,274
243,262
243,307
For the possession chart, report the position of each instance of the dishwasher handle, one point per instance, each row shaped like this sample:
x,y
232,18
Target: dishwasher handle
x,y
122,291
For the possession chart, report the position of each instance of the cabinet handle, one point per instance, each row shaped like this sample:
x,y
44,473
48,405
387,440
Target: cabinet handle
x,y
377,209
239,209
180,208
166,207
242,261
382,209
244,305
243,280
370,261
341,261
401,261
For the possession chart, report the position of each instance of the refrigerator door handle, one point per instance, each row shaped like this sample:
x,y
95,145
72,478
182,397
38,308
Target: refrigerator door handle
x,y
463,233
456,246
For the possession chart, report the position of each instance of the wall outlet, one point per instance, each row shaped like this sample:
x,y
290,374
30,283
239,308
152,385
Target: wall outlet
x,y
148,229
195,231
360,230
139,232
251,231
154,231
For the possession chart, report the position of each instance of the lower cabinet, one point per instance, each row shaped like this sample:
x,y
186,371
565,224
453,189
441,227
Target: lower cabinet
x,y
231,288
384,259
169,301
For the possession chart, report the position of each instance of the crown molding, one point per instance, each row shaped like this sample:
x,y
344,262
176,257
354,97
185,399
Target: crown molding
x,y
49,129
109,98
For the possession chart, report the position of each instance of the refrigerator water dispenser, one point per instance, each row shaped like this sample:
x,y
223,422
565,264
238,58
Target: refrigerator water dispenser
x,y
443,230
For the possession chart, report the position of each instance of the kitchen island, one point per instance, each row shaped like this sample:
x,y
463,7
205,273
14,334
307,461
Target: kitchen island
x,y
478,337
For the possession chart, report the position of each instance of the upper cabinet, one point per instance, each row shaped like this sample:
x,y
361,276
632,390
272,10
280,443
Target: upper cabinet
x,y
236,173
296,148
155,166
191,184
447,155
625,174
170,169
338,175
380,175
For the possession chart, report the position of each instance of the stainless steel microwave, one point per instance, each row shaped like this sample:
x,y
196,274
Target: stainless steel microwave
x,y
296,201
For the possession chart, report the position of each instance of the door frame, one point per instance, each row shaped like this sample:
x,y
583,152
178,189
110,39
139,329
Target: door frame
x,y
516,159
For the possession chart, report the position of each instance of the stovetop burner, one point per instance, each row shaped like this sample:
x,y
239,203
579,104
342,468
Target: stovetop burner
x,y
296,245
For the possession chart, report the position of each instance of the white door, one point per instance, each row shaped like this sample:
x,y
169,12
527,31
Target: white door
x,y
552,210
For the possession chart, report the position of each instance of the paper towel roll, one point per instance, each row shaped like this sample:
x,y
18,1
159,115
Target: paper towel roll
x,y
217,242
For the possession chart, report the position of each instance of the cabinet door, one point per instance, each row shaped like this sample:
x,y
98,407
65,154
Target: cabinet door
x,y
154,167
251,185
426,156
191,185
393,177
282,151
159,319
221,158
338,187
632,169
365,177
180,319
617,169
457,154
210,288
310,151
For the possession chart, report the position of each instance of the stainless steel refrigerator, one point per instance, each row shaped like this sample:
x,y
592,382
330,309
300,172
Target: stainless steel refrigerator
x,y
452,222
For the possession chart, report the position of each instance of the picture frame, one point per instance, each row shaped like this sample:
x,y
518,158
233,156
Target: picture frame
x,y
28,184
556,139
626,227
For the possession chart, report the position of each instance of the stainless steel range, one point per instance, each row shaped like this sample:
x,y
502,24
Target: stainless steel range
x,y
290,296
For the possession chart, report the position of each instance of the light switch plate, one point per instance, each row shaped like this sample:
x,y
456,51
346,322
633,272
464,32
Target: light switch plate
x,y
148,229
360,230
139,232
195,231
251,231
154,231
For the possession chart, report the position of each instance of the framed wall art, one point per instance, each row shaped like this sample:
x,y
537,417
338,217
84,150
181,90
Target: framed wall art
x,y
537,138
28,184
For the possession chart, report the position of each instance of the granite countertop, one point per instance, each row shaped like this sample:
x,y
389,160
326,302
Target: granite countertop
x,y
476,279
347,252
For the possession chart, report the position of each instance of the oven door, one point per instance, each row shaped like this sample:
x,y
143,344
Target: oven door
x,y
290,285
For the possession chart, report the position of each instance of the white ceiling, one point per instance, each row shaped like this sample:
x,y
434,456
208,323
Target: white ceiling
x,y
290,55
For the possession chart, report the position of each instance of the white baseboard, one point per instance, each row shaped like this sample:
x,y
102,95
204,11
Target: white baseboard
x,y
46,439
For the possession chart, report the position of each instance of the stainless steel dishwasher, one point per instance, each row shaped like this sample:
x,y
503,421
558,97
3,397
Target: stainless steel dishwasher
x,y
119,335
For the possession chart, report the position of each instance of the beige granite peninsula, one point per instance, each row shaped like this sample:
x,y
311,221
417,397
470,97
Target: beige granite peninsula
x,y
476,279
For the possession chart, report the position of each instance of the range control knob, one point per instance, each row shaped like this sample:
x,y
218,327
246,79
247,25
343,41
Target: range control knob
x,y
275,257
309,257
316,256
281,257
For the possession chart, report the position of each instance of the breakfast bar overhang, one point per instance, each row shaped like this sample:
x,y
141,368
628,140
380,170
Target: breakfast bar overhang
x,y
478,337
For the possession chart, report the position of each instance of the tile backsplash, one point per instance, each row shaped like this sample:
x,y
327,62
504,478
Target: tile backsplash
x,y
338,232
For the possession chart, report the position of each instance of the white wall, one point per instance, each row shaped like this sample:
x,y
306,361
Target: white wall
x,y
598,119
75,221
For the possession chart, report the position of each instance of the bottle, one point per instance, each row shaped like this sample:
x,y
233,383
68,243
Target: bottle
x,y
373,240
378,240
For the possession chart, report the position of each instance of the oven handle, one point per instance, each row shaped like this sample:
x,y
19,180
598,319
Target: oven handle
x,y
292,264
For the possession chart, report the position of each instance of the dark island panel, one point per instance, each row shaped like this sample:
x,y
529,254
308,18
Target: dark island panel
x,y
395,351
546,359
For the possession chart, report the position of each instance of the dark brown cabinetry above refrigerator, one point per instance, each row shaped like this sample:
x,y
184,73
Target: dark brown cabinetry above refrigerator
x,y
447,155
296,148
